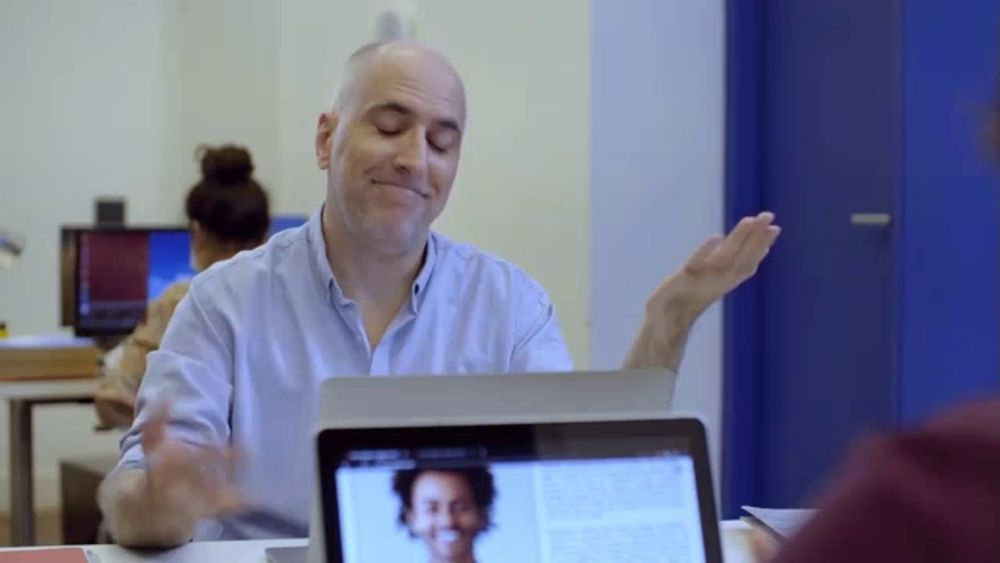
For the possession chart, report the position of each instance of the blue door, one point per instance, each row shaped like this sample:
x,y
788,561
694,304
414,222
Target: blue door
x,y
837,120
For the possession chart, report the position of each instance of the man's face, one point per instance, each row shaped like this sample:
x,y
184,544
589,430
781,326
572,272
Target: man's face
x,y
394,149
444,514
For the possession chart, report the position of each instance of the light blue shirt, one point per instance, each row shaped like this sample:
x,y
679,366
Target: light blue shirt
x,y
247,348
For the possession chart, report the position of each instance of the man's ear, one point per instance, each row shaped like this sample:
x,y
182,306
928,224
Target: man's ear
x,y
325,127
408,518
197,231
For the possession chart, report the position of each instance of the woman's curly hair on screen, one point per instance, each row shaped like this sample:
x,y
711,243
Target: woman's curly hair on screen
x,y
479,479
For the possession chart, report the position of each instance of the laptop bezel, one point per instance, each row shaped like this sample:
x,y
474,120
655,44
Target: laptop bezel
x,y
334,443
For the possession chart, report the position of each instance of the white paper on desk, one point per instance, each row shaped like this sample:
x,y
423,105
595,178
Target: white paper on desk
x,y
45,341
782,521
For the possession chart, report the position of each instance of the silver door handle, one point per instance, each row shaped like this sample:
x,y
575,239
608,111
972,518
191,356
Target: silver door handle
x,y
871,219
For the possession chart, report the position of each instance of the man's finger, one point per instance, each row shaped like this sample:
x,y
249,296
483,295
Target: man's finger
x,y
155,429
762,546
197,471
756,249
223,494
760,242
765,216
227,500
233,458
734,242
706,249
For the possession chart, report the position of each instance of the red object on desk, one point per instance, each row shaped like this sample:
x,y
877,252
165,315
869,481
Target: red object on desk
x,y
55,555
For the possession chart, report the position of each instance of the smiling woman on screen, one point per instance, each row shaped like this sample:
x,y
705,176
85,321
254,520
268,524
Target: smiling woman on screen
x,y
446,508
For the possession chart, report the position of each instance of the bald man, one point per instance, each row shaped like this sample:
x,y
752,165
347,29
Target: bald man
x,y
365,287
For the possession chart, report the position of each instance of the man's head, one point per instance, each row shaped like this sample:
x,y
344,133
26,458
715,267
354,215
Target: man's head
x,y
390,145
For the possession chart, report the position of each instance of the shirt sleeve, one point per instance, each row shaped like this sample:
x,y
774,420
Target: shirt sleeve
x,y
192,370
539,344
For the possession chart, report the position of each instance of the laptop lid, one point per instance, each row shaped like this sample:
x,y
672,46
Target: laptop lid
x,y
612,490
430,400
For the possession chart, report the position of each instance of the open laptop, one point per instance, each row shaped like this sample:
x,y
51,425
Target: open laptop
x,y
585,463
637,490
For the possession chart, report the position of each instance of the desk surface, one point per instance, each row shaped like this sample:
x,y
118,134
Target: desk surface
x,y
49,389
195,552
734,546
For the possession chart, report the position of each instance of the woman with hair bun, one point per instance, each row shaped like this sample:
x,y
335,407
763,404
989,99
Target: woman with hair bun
x,y
227,211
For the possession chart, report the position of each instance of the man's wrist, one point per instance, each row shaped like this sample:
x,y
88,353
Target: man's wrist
x,y
675,302
144,343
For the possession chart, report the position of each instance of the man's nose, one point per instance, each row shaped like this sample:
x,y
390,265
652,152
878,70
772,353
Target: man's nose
x,y
445,519
412,152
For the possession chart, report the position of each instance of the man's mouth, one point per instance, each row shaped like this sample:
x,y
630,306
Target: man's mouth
x,y
448,536
403,187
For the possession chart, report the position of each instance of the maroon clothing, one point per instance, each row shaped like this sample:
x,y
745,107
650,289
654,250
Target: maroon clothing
x,y
930,494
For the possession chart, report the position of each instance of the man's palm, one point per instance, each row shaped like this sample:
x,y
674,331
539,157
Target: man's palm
x,y
721,264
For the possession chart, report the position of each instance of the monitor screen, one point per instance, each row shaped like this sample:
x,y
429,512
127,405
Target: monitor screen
x,y
118,272
168,259
494,502
281,222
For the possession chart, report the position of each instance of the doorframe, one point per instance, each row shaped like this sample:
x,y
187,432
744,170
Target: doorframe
x,y
742,196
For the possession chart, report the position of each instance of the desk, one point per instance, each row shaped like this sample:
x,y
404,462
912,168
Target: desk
x,y
251,551
734,547
21,396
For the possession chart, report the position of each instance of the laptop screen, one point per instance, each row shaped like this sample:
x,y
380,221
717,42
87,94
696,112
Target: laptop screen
x,y
490,502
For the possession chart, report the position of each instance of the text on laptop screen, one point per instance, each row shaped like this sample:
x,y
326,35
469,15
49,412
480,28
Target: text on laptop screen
x,y
473,505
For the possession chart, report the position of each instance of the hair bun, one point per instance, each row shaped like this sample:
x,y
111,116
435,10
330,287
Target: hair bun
x,y
228,164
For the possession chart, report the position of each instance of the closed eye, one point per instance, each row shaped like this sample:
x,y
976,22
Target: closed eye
x,y
389,121
443,140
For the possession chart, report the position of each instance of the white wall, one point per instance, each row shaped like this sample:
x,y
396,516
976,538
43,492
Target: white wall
x,y
83,107
221,65
657,122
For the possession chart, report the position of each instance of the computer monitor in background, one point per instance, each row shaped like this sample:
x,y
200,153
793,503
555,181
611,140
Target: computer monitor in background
x,y
282,222
67,273
168,258
117,272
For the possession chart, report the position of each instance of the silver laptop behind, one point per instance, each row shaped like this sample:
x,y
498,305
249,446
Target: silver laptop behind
x,y
434,400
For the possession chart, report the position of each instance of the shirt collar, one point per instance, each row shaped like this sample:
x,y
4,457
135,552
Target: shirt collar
x,y
317,248
314,232
423,279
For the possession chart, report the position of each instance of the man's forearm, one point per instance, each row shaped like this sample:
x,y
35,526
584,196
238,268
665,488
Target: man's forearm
x,y
661,339
135,519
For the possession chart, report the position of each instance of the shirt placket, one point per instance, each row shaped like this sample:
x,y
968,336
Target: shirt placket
x,y
381,358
